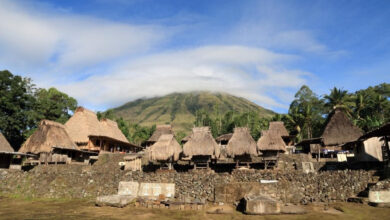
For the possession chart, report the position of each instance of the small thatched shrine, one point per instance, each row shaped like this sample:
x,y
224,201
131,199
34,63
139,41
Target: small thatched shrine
x,y
166,150
6,152
90,134
338,131
241,146
224,139
201,147
160,130
52,144
279,128
270,144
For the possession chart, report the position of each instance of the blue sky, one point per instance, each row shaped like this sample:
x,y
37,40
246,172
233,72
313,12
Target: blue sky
x,y
108,52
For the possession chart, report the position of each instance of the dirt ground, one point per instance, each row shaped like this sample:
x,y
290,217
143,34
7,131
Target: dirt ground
x,y
16,208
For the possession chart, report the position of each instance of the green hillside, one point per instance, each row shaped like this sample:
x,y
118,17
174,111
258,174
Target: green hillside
x,y
179,108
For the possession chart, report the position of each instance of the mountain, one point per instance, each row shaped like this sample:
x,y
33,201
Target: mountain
x,y
179,108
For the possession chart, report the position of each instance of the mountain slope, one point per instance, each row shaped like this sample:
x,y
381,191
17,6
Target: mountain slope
x,y
179,108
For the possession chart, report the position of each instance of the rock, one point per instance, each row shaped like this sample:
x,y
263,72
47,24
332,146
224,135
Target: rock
x,y
128,188
261,205
114,200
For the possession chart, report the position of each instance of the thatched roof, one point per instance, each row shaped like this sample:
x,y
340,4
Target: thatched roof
x,y
82,124
224,137
110,129
185,139
165,148
241,143
201,143
4,145
160,130
270,140
278,128
340,130
48,135
379,132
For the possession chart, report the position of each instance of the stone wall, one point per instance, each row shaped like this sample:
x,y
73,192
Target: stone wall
x,y
77,181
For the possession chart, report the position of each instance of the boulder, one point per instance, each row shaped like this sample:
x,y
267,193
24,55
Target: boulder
x,y
379,198
114,200
261,205
156,190
128,188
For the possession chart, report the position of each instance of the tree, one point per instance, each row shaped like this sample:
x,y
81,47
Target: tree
x,y
16,107
340,99
53,105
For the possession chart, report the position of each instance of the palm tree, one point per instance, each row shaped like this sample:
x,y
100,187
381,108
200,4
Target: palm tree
x,y
339,99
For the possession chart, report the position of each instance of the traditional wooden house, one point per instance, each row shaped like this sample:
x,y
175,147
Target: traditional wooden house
x,y
201,148
133,162
160,130
6,152
90,134
224,139
373,146
166,151
270,145
241,146
338,131
279,128
50,143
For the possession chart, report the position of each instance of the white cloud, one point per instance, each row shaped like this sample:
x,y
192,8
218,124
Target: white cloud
x,y
68,42
243,71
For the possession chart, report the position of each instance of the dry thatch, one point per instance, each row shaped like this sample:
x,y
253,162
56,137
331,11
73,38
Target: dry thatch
x,y
224,138
278,128
160,130
241,143
201,143
49,134
110,129
340,130
166,148
270,140
83,124
4,145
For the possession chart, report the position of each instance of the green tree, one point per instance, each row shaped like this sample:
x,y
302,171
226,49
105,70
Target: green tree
x,y
340,99
16,107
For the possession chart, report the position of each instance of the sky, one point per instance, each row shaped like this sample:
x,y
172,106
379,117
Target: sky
x,y
105,53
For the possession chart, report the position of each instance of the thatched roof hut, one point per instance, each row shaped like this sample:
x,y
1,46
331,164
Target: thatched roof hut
x,y
270,141
224,139
201,143
340,130
49,134
278,128
5,147
241,143
82,124
110,129
166,148
160,130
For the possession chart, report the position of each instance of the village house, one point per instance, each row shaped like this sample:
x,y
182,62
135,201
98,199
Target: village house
x,y
201,147
241,146
280,130
338,131
50,143
160,130
270,145
6,152
166,151
90,134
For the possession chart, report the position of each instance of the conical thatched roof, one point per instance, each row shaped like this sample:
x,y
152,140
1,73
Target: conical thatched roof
x,y
110,129
82,124
278,128
48,135
270,140
201,143
4,145
340,130
241,143
165,148
160,130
